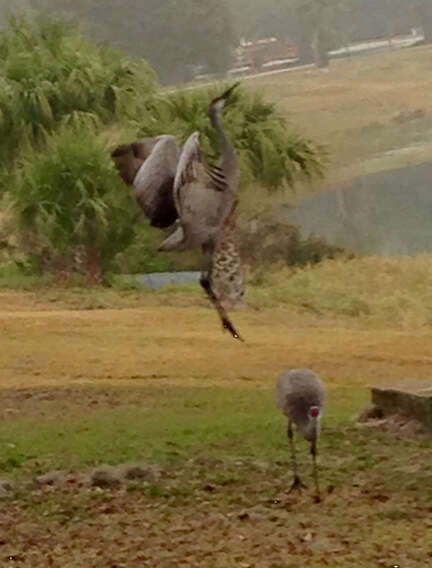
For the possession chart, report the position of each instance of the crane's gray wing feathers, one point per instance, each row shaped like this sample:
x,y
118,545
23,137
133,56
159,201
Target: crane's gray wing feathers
x,y
199,194
153,183
193,167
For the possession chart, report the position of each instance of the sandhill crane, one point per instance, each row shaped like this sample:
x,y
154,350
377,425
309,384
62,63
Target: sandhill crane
x,y
300,394
169,185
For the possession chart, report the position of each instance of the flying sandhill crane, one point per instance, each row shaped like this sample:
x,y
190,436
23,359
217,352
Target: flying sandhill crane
x,y
169,184
300,394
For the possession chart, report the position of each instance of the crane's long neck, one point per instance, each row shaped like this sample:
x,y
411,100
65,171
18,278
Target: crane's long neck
x,y
229,158
311,428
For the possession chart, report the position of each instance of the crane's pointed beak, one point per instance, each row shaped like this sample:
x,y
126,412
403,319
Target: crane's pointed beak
x,y
223,98
229,91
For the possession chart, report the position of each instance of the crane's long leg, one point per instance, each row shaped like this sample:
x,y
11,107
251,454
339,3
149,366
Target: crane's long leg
x,y
297,483
205,281
315,470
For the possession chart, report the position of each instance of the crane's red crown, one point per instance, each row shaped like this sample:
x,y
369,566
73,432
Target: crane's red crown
x,y
314,411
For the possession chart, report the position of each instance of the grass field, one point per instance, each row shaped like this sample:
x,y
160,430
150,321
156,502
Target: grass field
x,y
143,381
110,376
374,113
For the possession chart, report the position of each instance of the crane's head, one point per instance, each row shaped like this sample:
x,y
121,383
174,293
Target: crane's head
x,y
312,427
218,103
314,412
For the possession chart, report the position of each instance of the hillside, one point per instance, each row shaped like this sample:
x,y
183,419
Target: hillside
x,y
374,113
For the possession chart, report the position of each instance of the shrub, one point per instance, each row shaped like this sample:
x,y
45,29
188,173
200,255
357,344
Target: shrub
x,y
68,197
48,72
269,241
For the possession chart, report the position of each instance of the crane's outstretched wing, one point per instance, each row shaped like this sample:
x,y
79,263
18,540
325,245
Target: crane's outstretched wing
x,y
153,183
201,194
126,162
149,165
192,167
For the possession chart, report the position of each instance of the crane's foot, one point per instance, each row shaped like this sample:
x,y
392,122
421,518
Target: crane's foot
x,y
227,325
297,484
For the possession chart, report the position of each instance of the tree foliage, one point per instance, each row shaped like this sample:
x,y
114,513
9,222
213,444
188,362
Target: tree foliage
x,y
173,36
48,72
271,152
62,99
362,18
69,195
338,21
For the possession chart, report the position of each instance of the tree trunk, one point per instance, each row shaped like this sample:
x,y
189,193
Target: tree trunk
x,y
228,279
303,34
425,11
306,54
321,49
94,271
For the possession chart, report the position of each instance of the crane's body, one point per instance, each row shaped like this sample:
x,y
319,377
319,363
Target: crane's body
x,y
204,196
300,394
172,185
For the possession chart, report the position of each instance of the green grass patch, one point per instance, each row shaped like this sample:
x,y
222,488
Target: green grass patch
x,y
165,425
376,290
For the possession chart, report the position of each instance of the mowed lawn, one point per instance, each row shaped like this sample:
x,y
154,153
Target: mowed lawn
x,y
162,385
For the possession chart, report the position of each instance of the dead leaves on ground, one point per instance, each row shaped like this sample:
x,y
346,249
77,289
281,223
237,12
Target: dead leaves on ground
x,y
210,513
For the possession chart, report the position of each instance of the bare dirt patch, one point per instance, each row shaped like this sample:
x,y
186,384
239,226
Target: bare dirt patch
x,y
236,513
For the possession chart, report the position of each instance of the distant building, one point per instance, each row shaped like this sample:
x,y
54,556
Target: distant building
x,y
264,53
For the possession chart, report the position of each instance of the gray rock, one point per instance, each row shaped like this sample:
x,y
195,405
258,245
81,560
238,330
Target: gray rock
x,y
411,398
372,412
7,488
51,478
138,473
106,477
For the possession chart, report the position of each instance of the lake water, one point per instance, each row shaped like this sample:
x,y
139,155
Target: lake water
x,y
389,213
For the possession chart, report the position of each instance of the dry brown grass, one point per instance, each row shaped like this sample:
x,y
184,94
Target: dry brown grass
x,y
358,107
164,383
59,347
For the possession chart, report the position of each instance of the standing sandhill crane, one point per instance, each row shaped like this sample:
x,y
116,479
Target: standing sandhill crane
x,y
169,184
300,394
